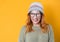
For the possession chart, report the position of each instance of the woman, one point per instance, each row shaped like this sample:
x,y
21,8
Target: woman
x,y
36,29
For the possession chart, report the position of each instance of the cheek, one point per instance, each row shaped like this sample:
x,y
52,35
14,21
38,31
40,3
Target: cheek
x,y
38,18
32,18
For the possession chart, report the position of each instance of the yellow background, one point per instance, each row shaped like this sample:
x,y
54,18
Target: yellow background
x,y
13,14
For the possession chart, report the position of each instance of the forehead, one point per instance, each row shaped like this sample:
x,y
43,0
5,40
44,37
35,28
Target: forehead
x,y
35,11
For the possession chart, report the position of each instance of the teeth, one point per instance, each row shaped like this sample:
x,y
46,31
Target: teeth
x,y
35,20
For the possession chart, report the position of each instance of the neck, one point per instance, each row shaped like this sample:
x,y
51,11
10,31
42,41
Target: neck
x,y
36,25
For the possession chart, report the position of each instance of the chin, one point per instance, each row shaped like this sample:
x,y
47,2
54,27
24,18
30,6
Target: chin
x,y
36,22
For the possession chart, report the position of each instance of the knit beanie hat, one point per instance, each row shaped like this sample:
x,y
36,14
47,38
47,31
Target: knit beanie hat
x,y
36,6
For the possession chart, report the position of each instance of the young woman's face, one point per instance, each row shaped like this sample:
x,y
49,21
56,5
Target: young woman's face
x,y
35,16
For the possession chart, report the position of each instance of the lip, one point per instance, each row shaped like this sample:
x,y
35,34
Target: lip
x,y
35,20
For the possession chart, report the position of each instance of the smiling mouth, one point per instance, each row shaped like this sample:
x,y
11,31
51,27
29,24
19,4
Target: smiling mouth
x,y
36,20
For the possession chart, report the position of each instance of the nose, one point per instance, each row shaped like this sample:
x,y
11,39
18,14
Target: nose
x,y
35,16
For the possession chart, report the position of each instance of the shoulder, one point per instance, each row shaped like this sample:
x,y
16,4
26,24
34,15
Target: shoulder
x,y
23,27
50,28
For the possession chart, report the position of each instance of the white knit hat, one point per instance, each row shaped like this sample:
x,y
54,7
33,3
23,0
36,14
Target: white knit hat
x,y
36,6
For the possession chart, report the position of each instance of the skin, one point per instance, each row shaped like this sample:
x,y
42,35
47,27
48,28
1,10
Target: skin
x,y
35,17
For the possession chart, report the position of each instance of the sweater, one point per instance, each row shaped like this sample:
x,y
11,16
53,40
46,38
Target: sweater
x,y
36,36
